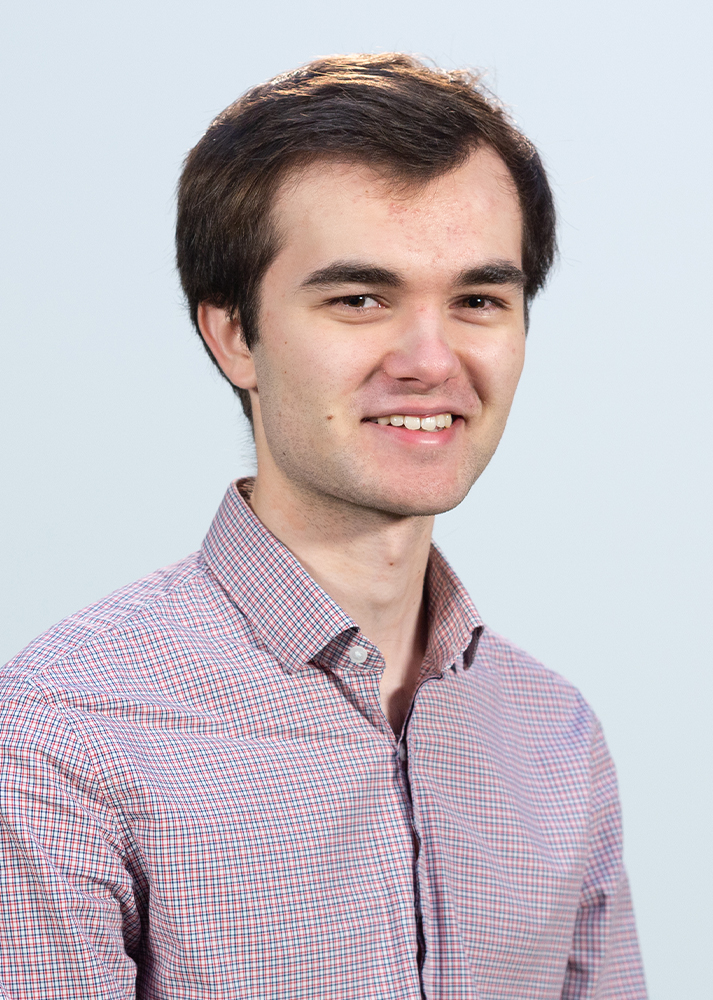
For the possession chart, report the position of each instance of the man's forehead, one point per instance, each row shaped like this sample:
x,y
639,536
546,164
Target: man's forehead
x,y
335,210
354,179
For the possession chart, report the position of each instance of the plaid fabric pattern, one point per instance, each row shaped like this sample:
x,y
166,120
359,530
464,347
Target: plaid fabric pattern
x,y
201,799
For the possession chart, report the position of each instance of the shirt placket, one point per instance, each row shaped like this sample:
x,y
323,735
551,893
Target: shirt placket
x,y
428,674
358,667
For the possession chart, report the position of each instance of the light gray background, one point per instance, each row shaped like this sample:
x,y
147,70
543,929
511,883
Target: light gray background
x,y
587,541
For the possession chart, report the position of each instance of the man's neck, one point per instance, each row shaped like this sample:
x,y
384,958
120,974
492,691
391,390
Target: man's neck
x,y
373,565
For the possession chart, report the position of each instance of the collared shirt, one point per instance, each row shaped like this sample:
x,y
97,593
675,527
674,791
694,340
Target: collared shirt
x,y
201,798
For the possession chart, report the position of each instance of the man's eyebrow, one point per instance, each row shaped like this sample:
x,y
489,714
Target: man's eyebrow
x,y
497,272
353,273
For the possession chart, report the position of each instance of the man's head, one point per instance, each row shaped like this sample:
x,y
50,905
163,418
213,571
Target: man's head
x,y
367,176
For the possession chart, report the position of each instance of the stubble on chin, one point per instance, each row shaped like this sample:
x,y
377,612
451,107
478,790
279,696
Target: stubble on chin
x,y
359,489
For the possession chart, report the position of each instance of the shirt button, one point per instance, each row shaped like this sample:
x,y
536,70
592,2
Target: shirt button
x,y
403,752
357,654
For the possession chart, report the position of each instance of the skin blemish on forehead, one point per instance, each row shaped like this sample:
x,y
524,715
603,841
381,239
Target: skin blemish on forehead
x,y
401,206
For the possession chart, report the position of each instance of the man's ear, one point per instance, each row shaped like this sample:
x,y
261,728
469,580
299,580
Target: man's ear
x,y
224,337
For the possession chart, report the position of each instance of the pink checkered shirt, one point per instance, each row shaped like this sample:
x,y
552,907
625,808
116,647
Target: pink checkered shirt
x,y
202,799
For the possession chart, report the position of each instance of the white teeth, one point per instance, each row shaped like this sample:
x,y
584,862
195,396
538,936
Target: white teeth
x,y
434,422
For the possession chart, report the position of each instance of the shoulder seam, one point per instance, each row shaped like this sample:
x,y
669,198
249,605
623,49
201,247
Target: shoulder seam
x,y
64,716
35,670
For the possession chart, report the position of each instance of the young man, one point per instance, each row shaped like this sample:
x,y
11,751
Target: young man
x,y
297,765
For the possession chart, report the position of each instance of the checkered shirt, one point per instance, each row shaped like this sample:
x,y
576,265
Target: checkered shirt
x,y
201,799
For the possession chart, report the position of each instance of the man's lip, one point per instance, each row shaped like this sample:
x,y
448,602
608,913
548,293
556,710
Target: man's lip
x,y
410,411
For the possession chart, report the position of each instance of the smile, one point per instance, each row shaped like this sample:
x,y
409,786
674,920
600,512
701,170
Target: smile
x,y
433,422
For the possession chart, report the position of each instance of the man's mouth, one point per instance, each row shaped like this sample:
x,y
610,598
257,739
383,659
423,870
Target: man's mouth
x,y
432,422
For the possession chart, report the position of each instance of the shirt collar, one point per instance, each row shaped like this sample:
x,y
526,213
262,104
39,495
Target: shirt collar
x,y
291,613
454,625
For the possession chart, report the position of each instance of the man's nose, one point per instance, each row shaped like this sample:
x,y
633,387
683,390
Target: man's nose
x,y
421,353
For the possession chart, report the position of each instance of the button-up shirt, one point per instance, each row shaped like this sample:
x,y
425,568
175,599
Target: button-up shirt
x,y
201,798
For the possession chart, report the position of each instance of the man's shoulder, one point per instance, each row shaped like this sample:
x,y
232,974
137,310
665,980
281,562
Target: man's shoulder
x,y
524,681
166,596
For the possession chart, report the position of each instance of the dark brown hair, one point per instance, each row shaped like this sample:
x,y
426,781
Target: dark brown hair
x,y
391,112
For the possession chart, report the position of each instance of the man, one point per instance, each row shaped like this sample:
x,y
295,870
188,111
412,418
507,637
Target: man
x,y
297,764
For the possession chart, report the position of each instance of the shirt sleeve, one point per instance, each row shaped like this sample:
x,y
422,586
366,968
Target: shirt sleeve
x,y
604,963
69,922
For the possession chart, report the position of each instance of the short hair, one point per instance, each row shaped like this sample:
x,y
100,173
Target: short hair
x,y
391,112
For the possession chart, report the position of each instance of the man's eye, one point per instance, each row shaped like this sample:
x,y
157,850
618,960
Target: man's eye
x,y
476,302
358,301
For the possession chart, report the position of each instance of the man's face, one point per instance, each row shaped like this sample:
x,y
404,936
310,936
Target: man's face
x,y
385,303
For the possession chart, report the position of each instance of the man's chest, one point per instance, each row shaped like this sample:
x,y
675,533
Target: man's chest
x,y
305,844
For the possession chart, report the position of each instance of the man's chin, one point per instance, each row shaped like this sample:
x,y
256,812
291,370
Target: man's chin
x,y
403,493
406,502
422,509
